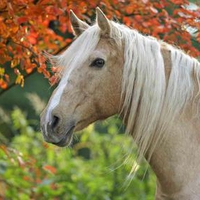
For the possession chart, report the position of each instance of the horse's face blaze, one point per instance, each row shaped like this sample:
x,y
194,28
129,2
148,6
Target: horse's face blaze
x,y
92,92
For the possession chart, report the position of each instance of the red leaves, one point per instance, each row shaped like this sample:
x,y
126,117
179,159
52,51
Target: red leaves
x,y
28,168
32,38
198,37
4,78
50,169
53,80
21,20
129,10
3,84
179,2
28,28
25,32
54,10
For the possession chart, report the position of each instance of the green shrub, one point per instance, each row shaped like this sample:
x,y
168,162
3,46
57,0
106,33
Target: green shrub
x,y
96,167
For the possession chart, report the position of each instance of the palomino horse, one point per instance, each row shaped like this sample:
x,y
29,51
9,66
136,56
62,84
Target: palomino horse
x,y
111,69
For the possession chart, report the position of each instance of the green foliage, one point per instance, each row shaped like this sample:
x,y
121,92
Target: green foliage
x,y
97,167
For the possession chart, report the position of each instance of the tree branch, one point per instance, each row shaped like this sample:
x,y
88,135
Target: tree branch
x,y
13,84
33,72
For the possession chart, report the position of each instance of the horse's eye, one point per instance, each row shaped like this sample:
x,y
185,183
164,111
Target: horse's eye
x,y
98,62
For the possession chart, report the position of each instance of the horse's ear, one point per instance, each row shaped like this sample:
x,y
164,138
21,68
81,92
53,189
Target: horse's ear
x,y
103,22
78,26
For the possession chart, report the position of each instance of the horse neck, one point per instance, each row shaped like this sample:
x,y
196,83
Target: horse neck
x,y
176,161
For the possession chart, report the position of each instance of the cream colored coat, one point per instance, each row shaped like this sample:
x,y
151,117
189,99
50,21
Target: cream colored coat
x,y
151,85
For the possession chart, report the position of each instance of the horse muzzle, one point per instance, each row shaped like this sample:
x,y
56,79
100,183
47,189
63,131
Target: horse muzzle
x,y
57,133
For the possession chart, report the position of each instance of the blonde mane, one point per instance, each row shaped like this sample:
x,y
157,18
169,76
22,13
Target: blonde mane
x,y
154,87
151,103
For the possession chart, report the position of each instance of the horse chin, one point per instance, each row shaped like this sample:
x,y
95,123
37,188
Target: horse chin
x,y
67,138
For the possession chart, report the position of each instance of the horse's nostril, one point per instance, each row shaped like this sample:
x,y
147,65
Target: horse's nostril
x,y
55,121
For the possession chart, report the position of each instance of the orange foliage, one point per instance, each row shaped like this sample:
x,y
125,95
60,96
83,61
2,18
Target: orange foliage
x,y
50,169
29,27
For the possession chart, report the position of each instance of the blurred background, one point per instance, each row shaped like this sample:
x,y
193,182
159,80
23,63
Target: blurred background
x,y
99,162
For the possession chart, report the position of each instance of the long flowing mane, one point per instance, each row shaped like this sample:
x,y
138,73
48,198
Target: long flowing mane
x,y
151,103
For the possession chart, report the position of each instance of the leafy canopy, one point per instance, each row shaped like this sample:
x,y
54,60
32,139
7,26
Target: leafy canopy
x,y
31,27
96,168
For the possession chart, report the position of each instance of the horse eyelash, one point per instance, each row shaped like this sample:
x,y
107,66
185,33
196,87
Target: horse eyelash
x,y
95,64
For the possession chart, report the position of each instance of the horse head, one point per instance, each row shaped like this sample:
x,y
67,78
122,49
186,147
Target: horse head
x,y
90,88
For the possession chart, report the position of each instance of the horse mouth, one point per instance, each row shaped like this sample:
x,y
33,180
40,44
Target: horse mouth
x,y
67,138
